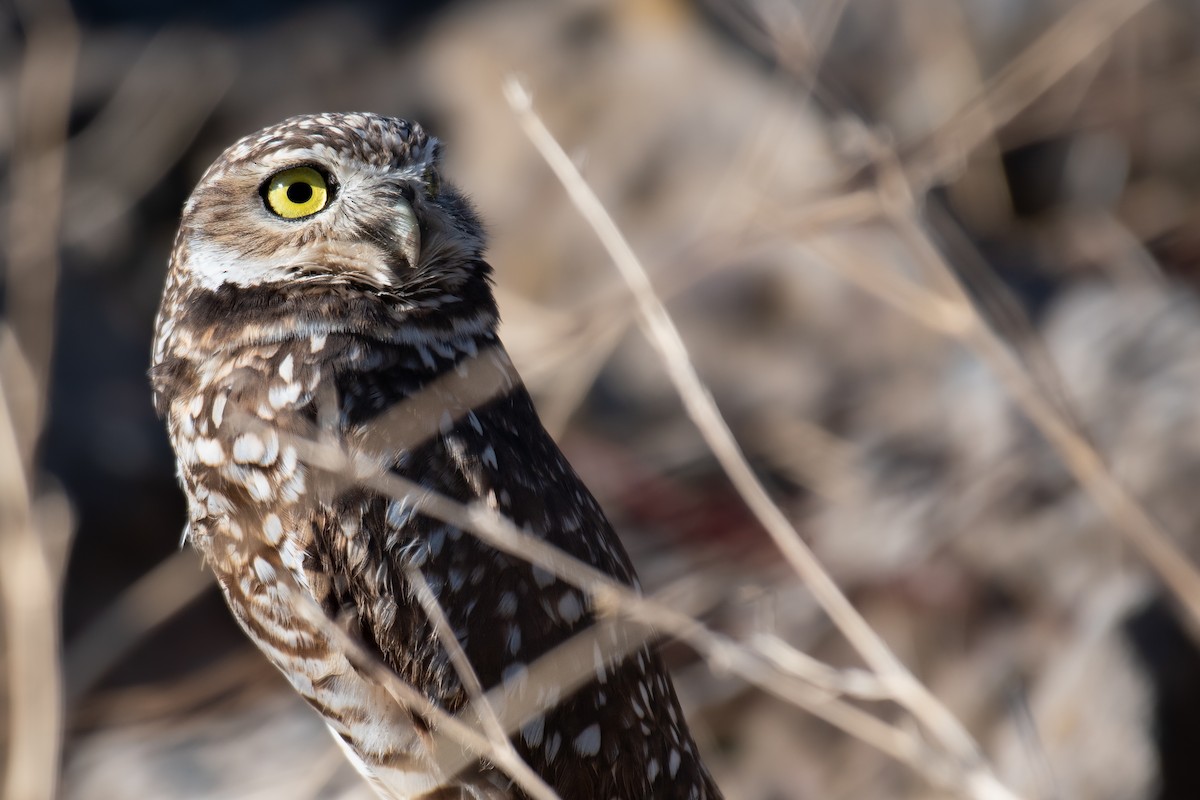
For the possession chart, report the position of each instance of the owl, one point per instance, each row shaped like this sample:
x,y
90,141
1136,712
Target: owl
x,y
327,285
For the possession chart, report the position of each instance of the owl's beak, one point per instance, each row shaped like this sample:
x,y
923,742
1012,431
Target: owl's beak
x,y
407,233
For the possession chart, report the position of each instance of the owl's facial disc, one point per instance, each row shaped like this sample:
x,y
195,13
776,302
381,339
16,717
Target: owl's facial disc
x,y
345,200
302,216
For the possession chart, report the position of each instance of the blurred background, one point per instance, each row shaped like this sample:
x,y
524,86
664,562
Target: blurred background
x,y
755,152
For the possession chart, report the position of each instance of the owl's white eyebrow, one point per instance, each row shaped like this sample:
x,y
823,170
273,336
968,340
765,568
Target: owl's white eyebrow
x,y
223,265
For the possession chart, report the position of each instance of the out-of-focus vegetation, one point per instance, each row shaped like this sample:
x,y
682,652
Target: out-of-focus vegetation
x,y
796,176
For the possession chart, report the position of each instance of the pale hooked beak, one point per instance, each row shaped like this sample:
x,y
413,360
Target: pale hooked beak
x,y
407,232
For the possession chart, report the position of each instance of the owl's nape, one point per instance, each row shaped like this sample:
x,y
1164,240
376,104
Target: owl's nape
x,y
325,282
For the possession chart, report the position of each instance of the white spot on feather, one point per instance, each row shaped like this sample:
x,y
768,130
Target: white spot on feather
x,y
283,394
287,462
489,456
291,491
218,409
587,743
273,529
292,556
541,577
217,504
569,607
285,367
264,571
533,731
598,660
399,513
248,448
514,677
210,452
258,487
187,425
552,746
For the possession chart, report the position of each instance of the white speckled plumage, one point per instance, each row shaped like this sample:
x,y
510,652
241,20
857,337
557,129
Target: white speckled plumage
x,y
372,321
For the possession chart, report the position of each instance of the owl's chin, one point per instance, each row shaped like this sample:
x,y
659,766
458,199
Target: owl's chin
x,y
239,316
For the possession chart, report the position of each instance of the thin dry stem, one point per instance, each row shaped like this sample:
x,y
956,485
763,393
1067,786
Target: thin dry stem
x,y
663,335
1076,452
856,683
969,325
29,591
458,658
38,168
29,584
450,729
608,597
149,602
1065,46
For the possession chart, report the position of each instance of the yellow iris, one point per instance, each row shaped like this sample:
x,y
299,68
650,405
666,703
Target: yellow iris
x,y
297,192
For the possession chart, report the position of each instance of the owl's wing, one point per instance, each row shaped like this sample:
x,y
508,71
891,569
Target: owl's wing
x,y
506,613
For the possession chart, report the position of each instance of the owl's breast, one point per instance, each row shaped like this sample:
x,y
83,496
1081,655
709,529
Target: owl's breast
x,y
234,424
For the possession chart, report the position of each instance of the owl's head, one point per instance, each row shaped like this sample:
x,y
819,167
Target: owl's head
x,y
350,200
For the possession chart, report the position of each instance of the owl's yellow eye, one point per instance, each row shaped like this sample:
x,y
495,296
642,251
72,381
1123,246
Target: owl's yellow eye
x,y
297,192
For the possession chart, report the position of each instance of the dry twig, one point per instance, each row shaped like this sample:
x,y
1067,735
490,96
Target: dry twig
x,y
977,779
1065,46
609,597
29,585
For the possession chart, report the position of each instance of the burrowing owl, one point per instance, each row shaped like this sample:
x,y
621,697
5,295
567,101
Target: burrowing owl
x,y
324,279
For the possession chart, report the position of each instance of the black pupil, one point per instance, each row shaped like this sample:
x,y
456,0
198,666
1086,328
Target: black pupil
x,y
299,192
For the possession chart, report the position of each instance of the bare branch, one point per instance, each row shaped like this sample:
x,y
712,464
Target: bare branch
x,y
1071,41
609,597
664,336
29,585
